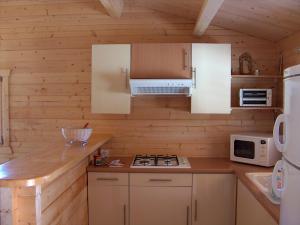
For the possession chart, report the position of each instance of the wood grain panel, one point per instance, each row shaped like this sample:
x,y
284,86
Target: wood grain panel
x,y
269,19
47,44
161,61
63,201
290,49
56,211
51,192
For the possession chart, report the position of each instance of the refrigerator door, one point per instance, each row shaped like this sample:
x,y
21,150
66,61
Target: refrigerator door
x,y
291,120
290,197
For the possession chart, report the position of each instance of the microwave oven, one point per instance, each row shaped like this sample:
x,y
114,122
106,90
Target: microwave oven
x,y
256,149
255,97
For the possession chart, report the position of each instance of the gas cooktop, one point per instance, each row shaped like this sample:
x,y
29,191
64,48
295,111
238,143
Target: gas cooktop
x,y
160,161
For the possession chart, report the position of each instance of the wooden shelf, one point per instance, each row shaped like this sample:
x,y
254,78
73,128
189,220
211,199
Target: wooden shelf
x,y
256,77
256,108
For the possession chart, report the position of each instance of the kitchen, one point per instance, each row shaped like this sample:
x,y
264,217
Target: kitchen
x,y
46,51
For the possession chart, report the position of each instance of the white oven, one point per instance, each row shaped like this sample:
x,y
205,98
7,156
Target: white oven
x,y
251,148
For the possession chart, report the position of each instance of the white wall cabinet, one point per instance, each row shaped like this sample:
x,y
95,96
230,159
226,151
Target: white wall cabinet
x,y
214,198
110,78
108,198
249,210
211,64
160,199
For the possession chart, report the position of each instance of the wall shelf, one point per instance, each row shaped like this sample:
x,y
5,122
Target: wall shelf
x,y
237,76
256,108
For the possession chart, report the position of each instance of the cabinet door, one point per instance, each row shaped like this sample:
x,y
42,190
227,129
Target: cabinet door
x,y
160,205
108,203
161,60
211,65
110,74
249,210
214,199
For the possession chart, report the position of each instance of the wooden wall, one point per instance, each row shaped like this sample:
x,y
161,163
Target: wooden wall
x,y
290,48
47,44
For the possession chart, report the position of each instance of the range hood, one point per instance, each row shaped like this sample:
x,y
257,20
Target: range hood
x,y
161,87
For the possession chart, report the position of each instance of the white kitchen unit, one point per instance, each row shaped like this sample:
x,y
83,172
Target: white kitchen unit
x,y
108,198
249,210
110,78
214,198
211,66
286,174
162,199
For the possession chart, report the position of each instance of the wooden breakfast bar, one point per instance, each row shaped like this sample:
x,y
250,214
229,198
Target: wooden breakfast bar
x,y
49,187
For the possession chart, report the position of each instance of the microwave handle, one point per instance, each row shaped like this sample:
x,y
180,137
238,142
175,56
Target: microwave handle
x,y
276,132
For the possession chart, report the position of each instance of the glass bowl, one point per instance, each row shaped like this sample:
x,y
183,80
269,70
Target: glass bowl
x,y
73,135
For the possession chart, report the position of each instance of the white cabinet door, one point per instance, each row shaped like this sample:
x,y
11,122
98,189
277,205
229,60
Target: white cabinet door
x,y
160,205
214,199
108,199
212,78
110,74
249,210
160,199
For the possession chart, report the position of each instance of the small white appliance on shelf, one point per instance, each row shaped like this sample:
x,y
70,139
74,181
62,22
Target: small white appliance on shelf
x,y
160,161
286,174
255,97
254,148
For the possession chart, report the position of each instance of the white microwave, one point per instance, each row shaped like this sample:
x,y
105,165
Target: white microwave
x,y
257,149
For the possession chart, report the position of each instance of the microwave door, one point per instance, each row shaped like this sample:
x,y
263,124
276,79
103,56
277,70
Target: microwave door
x,y
244,149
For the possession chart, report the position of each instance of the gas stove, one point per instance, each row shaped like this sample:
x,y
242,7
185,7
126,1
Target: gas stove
x,y
160,161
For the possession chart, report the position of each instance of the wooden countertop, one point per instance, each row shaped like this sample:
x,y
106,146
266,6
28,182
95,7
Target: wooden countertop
x,y
205,165
39,168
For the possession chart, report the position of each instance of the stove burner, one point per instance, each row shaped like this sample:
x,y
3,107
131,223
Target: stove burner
x,y
156,160
144,162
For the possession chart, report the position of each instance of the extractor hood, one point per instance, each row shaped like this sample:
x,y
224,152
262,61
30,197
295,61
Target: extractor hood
x,y
161,87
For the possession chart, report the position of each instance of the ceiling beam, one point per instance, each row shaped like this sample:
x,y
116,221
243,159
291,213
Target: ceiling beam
x,y
208,11
113,7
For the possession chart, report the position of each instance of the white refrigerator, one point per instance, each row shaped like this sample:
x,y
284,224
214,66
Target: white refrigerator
x,y
286,174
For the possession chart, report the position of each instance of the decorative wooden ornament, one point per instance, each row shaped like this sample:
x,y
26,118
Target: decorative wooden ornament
x,y
246,64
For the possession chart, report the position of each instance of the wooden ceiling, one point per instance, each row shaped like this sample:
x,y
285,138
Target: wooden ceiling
x,y
268,19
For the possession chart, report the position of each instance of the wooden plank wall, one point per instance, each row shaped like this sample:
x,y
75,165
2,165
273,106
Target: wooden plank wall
x,y
290,48
47,44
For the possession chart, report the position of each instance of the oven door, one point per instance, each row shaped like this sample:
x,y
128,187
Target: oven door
x,y
244,149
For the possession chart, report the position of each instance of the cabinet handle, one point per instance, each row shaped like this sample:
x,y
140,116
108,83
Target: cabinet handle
x,y
185,58
126,77
194,77
196,210
108,178
158,180
187,215
124,211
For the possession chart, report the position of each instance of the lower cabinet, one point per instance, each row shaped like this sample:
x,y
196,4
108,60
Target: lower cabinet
x,y
249,210
214,197
108,198
172,199
160,199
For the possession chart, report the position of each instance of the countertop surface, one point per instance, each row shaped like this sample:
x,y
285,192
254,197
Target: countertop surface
x,y
204,165
38,168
